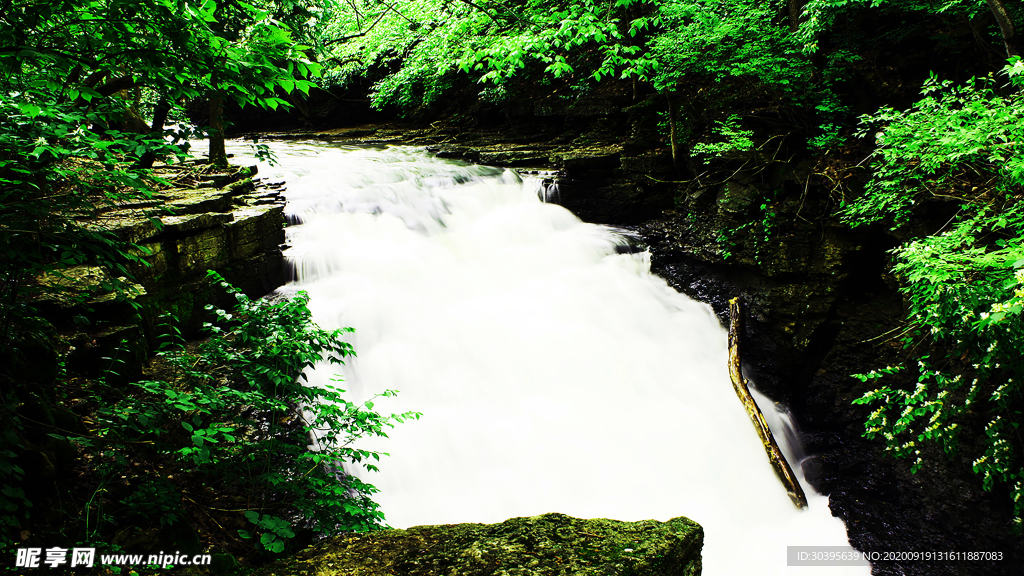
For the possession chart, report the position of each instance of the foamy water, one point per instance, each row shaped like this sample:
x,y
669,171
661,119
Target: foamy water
x,y
553,374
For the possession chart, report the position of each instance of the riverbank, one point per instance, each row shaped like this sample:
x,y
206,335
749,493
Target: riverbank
x,y
92,406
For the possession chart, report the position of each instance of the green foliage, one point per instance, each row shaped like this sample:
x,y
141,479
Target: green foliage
x,y
275,530
239,416
72,140
426,44
830,137
82,82
963,285
422,47
230,430
939,147
714,55
88,50
708,40
732,139
822,17
54,173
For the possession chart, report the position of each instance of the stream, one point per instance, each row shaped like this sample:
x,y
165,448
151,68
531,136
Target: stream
x,y
554,372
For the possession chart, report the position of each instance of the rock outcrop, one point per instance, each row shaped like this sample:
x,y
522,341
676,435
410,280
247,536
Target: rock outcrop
x,y
548,545
207,219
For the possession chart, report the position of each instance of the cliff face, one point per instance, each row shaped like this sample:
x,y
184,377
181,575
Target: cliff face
x,y
205,219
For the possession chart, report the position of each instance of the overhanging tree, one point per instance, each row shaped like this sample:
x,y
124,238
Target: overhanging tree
x,y
77,77
74,76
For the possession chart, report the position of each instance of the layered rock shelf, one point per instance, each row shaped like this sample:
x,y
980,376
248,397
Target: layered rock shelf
x,y
221,220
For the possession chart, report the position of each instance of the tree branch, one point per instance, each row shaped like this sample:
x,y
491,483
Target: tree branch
x,y
771,448
116,85
363,33
1005,26
474,5
395,10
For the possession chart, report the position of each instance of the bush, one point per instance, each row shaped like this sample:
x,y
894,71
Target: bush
x,y
226,433
963,286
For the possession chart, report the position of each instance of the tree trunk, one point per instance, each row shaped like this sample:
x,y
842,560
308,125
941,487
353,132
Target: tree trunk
x,y
794,7
218,156
163,107
673,116
1005,26
775,455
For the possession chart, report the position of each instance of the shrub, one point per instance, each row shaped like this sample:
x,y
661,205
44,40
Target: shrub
x,y
233,434
963,286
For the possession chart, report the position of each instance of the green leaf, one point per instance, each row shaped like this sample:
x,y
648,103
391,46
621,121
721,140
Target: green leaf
x,y
28,109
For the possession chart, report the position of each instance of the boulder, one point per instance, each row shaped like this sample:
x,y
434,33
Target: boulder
x,y
550,544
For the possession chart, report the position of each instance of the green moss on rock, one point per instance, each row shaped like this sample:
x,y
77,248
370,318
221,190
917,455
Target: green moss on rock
x,y
551,544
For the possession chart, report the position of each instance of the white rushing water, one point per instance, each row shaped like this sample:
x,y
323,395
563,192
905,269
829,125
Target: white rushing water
x,y
553,374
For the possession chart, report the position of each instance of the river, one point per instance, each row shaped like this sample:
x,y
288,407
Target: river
x,y
554,372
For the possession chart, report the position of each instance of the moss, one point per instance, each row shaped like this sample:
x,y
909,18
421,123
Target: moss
x,y
551,544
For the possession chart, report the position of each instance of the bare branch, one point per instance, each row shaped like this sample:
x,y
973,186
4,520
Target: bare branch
x,y
395,10
363,33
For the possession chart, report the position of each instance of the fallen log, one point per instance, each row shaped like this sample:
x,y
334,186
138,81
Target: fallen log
x,y
775,455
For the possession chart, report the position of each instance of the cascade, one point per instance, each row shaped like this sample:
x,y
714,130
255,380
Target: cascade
x,y
554,372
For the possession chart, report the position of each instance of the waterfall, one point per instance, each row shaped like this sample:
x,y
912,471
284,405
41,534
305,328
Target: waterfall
x,y
554,372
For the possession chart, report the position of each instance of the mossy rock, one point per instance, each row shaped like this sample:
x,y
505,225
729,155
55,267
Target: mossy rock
x,y
551,544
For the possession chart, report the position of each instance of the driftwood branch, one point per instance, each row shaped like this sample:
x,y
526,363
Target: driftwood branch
x,y
775,456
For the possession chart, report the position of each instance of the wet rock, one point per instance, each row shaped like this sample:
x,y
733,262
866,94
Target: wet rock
x,y
196,201
551,544
588,158
82,294
820,309
200,252
193,222
256,228
737,198
130,225
513,156
648,162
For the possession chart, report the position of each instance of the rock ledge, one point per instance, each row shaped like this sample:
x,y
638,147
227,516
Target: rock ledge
x,y
550,544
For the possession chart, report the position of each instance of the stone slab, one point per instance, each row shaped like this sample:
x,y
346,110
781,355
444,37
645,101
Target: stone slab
x,y
548,545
